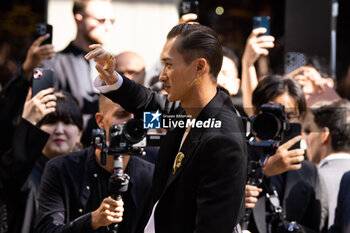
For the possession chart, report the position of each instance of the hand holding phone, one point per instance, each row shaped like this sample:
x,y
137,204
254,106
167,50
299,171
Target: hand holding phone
x,y
262,22
43,29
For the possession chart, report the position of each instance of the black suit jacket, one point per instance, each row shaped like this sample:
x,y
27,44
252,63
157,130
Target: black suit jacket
x,y
342,212
206,194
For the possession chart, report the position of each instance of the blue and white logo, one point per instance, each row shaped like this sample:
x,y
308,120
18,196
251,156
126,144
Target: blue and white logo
x,y
151,120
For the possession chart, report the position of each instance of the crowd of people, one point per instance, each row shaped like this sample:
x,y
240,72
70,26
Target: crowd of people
x,y
53,178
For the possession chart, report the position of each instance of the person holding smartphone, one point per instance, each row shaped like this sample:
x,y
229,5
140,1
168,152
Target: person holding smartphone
x,y
94,21
21,141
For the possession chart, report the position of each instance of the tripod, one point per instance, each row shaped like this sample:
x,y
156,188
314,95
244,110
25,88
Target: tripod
x,y
118,183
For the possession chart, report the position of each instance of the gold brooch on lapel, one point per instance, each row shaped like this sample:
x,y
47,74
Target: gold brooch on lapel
x,y
177,162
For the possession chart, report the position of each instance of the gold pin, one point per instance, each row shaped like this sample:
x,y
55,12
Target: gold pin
x,y
177,162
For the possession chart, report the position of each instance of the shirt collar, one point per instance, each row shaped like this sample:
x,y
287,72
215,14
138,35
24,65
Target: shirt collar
x,y
333,157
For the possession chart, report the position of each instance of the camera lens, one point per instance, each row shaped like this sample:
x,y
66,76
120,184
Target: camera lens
x,y
134,131
267,126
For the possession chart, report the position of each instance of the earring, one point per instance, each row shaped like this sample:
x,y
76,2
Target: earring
x,y
198,79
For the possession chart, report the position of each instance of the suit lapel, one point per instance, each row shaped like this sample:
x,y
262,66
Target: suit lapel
x,y
188,147
193,139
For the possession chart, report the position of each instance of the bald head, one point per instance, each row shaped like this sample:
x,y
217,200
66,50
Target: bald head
x,y
131,65
104,103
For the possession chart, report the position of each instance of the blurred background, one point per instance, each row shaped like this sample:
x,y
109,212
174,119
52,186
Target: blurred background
x,y
317,28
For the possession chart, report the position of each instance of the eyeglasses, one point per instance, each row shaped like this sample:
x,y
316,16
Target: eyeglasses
x,y
99,20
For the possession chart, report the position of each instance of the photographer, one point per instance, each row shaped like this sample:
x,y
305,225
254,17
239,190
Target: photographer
x,y
74,194
296,180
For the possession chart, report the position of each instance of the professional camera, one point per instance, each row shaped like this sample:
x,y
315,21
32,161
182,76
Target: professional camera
x,y
271,124
127,135
125,139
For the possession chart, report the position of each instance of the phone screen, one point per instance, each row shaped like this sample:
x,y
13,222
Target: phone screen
x,y
42,79
294,130
262,22
43,29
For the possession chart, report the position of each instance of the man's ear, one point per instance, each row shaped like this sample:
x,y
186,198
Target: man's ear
x,y
99,120
202,65
325,135
78,17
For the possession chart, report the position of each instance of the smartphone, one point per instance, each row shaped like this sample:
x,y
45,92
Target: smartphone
x,y
43,29
42,79
188,6
294,130
262,22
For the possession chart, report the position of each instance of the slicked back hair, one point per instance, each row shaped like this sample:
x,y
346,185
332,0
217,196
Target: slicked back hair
x,y
198,41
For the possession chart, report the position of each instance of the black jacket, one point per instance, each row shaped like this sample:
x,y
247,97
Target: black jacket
x,y
21,144
206,194
65,192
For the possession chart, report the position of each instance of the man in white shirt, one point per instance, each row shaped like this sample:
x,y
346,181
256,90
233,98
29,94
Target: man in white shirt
x,y
328,138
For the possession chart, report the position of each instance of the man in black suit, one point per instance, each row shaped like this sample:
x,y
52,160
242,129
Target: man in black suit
x,y
200,174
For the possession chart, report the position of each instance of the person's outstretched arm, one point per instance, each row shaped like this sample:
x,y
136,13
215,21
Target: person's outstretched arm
x,y
255,47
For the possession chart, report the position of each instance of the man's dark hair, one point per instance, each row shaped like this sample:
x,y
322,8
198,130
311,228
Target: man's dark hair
x,y
67,111
198,41
273,86
336,117
79,6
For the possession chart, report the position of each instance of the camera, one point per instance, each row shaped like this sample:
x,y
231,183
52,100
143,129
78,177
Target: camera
x,y
271,124
127,135
125,139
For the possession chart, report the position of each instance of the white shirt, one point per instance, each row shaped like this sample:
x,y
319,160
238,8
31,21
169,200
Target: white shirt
x,y
334,156
104,88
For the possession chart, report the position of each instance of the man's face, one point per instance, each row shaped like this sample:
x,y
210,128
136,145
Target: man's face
x,y
228,76
178,77
114,114
312,135
97,21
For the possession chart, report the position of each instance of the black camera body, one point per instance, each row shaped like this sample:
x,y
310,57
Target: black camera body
x,y
127,135
124,139
271,124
